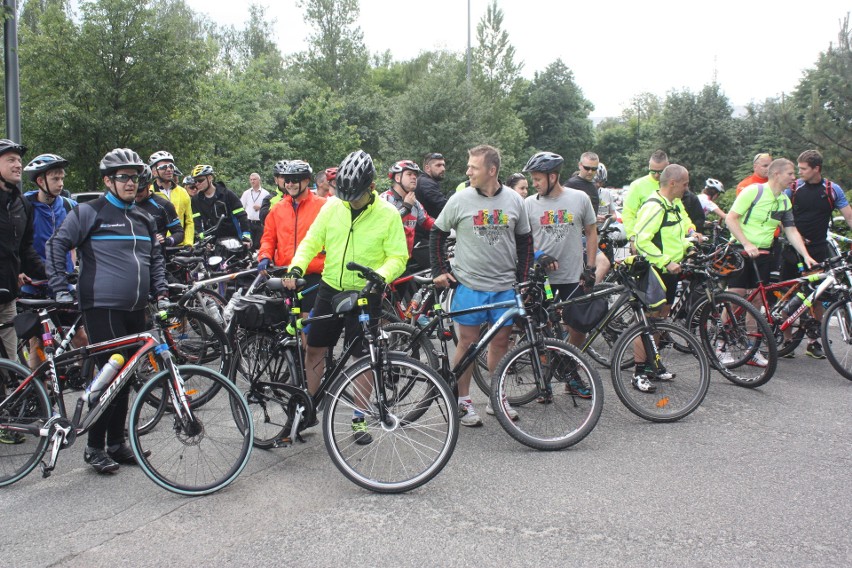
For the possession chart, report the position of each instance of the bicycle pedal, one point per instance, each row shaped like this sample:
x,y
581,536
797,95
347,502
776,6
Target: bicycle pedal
x,y
46,470
282,443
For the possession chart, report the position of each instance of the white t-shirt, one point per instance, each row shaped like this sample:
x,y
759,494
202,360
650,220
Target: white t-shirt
x,y
250,198
707,205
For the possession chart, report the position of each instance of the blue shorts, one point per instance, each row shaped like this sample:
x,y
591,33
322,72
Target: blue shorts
x,y
464,298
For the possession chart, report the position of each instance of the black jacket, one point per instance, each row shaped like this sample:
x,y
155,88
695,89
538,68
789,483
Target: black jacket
x,y
207,210
693,208
16,242
430,196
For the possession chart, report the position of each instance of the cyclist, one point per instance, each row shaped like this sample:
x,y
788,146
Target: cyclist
x,y
277,194
640,190
324,187
160,209
558,216
189,186
662,227
606,200
162,166
403,175
286,226
121,264
214,200
713,188
494,249
814,199
357,227
753,219
760,171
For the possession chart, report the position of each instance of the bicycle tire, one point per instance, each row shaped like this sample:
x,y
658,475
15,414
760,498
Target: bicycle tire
x,y
389,313
673,399
29,407
559,419
404,454
399,339
600,350
837,337
481,374
218,437
156,400
256,370
724,328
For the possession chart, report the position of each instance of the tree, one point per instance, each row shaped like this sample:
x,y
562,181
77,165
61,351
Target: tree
x,y
337,57
239,48
614,143
496,70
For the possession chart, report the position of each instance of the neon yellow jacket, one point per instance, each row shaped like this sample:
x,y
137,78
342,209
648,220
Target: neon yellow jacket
x,y
661,230
183,206
375,239
640,190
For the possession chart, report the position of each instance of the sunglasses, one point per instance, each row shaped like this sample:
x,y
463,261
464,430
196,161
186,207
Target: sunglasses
x,y
124,178
166,167
435,156
200,179
293,179
655,172
589,168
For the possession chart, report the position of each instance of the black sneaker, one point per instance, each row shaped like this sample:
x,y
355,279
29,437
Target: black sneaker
x,y
124,455
99,460
815,350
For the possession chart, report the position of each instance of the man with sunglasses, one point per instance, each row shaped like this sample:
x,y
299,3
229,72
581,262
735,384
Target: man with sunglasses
x,y
214,200
279,170
121,265
163,168
641,189
584,180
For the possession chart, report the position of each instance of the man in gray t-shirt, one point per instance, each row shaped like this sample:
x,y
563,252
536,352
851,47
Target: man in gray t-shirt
x,y
493,251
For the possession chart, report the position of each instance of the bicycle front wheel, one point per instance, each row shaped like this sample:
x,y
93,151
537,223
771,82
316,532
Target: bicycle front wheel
x,y
837,337
679,382
414,441
199,452
21,414
568,398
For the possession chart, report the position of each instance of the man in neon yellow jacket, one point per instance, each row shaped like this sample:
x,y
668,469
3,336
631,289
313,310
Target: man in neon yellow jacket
x,y
641,189
357,227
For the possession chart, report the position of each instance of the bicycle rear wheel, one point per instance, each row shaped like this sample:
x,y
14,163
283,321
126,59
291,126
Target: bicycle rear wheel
x,y
401,453
675,396
567,407
399,339
197,454
837,337
27,410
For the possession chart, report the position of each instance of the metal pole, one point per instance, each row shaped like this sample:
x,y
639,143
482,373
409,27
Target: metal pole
x,y
13,91
468,41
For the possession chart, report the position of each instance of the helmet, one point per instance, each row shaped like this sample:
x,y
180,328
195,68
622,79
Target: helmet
x,y
120,158
298,168
160,156
44,162
188,181
202,170
544,162
714,184
600,177
280,168
355,175
144,177
331,174
725,262
401,166
7,145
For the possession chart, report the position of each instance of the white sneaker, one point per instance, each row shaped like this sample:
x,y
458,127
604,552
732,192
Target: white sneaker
x,y
510,412
643,384
468,415
758,360
725,358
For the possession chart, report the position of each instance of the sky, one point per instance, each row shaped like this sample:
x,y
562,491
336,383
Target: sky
x,y
615,48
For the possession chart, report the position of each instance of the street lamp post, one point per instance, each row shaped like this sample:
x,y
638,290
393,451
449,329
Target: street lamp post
x,y
10,49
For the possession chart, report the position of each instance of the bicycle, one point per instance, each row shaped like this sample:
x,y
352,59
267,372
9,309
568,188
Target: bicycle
x,y
410,414
187,448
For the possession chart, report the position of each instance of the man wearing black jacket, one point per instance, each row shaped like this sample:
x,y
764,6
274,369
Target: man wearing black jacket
x,y
214,200
18,258
429,195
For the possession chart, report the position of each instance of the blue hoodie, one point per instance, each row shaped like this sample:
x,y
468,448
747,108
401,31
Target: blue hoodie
x,y
46,220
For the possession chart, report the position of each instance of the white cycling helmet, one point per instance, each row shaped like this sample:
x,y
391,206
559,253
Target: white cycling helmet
x,y
714,184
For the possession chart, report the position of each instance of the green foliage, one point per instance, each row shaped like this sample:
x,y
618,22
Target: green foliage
x,y
496,70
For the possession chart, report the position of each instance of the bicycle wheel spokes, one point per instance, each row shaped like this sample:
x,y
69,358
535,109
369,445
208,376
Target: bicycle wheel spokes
x,y
20,451
200,453
410,446
680,381
560,411
837,337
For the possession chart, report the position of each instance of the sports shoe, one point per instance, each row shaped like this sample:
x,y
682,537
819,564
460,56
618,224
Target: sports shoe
x,y
791,354
642,383
725,358
99,460
815,350
576,387
9,437
360,433
124,455
510,412
468,415
758,360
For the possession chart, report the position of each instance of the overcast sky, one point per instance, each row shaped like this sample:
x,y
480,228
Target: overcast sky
x,y
616,48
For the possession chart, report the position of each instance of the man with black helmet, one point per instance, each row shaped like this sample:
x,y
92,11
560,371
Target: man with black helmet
x,y
163,168
279,170
169,230
357,227
214,200
18,258
121,266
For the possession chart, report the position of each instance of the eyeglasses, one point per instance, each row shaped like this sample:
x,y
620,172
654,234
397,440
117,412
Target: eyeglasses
x,y
589,168
293,179
124,178
166,167
655,172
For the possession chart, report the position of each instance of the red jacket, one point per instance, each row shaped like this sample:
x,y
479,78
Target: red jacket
x,y
285,227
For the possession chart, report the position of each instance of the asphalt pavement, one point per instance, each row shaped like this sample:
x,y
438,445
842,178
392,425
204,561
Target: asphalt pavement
x,y
752,478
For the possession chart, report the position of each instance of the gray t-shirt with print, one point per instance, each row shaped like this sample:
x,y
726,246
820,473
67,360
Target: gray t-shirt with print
x,y
557,226
486,256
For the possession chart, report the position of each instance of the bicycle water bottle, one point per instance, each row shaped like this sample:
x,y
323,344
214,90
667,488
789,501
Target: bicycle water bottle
x,y
229,308
414,304
108,372
794,303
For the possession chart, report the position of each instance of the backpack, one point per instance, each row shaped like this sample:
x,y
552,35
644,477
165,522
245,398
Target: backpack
x,y
753,203
829,192
658,239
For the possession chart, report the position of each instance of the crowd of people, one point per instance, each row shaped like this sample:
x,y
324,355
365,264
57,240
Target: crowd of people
x,y
315,223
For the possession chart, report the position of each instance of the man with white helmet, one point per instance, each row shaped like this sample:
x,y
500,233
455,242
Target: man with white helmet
x,y
713,188
162,166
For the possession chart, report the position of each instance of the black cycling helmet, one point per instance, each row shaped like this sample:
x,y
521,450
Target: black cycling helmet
x,y
145,177
119,158
401,166
544,162
280,167
43,163
355,175
298,168
7,145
